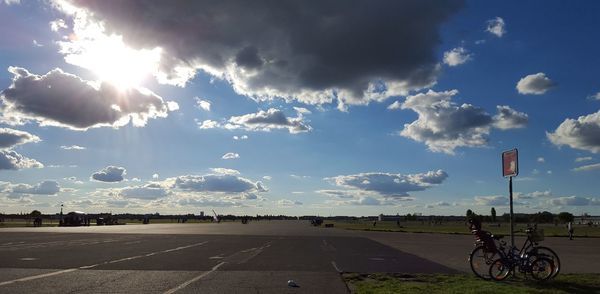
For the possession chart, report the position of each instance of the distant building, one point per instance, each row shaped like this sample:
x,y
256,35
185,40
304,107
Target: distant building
x,y
396,217
586,219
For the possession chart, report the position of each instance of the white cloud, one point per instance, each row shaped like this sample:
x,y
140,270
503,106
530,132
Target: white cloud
x,y
231,155
147,191
595,96
225,171
274,57
208,124
395,105
11,2
588,167
496,27
74,180
48,187
172,105
574,201
390,185
222,183
110,174
582,133
508,118
12,160
491,200
12,137
72,147
37,44
202,104
243,137
269,120
532,195
49,100
155,176
57,25
541,160
457,56
535,84
288,203
580,159
444,125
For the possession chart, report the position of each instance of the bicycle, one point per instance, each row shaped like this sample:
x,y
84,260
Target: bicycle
x,y
486,251
538,266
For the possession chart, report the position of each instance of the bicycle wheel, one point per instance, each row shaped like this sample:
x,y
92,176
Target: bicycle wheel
x,y
542,268
498,270
541,251
480,260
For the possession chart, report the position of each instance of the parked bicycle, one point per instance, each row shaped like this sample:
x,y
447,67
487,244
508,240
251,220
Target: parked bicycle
x,y
511,259
486,251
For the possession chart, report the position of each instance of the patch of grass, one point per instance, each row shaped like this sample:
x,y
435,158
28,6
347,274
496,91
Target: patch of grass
x,y
550,230
460,284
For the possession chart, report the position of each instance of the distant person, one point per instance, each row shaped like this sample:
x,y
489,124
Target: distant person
x,y
374,223
570,230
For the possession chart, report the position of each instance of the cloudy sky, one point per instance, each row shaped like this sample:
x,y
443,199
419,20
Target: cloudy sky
x,y
298,107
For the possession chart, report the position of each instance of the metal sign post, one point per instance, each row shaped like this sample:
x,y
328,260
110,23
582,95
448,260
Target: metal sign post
x,y
510,169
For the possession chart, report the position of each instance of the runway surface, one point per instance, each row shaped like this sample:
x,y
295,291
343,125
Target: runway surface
x,y
222,258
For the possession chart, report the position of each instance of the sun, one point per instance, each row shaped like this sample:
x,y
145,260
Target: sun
x,y
110,59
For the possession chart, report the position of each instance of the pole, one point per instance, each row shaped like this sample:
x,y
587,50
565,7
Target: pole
x,y
512,225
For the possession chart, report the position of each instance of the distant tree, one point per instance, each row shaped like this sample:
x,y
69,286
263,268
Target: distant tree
x,y
35,213
469,213
544,217
493,212
565,217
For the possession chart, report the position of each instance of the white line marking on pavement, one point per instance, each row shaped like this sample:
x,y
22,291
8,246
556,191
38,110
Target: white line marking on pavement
x,y
336,267
28,258
132,242
38,276
95,265
185,284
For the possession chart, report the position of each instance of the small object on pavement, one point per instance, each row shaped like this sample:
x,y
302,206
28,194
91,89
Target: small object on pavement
x,y
291,283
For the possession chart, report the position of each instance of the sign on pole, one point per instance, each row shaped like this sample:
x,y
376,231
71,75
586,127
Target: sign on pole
x,y
510,168
510,163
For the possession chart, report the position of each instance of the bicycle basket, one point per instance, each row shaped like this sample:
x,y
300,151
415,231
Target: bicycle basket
x,y
536,235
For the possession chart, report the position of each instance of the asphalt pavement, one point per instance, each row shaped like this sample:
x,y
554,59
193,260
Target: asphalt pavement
x,y
260,257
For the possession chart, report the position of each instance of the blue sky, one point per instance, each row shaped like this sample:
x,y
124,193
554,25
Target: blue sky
x,y
298,109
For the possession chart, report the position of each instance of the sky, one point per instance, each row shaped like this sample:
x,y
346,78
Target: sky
x,y
298,107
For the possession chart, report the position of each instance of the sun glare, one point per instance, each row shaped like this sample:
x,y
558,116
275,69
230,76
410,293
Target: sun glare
x,y
109,57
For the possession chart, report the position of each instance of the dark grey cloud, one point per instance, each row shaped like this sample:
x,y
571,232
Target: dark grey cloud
x,y
313,51
110,174
390,185
11,137
582,133
47,187
62,99
12,160
444,125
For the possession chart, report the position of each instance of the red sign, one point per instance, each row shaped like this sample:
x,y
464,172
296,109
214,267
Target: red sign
x,y
510,163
